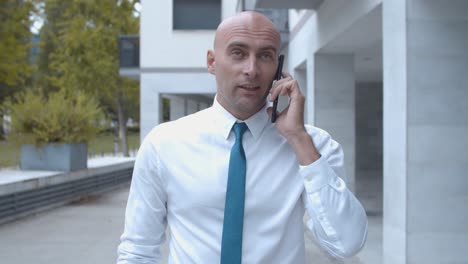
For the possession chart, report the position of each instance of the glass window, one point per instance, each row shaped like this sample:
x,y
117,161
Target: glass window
x,y
196,14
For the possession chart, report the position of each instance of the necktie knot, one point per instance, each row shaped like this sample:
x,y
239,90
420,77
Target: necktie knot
x,y
239,129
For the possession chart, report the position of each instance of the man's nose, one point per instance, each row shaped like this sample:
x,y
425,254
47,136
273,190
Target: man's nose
x,y
250,67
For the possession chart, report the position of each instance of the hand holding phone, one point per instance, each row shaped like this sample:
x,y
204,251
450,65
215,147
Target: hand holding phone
x,y
279,72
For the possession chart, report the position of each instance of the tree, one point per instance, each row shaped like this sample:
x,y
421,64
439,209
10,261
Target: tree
x,y
53,18
15,39
87,57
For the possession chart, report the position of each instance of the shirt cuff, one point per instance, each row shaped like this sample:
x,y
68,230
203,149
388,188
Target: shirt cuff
x,y
316,175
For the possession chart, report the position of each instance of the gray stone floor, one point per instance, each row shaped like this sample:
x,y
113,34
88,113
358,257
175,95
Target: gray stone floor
x,y
88,232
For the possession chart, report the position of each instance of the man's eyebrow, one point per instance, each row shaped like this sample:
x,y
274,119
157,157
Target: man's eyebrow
x,y
269,47
245,46
237,44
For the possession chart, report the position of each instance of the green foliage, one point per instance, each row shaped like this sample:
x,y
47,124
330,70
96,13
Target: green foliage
x,y
102,144
53,17
81,50
14,42
15,46
62,117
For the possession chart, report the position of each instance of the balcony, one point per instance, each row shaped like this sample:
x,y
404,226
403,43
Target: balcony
x,y
129,56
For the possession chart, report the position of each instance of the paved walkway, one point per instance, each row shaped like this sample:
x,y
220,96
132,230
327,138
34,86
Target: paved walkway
x,y
88,232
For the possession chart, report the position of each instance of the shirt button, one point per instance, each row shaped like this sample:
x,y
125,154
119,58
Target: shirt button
x,y
338,183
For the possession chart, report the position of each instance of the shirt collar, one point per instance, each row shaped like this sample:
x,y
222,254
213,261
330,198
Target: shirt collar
x,y
225,120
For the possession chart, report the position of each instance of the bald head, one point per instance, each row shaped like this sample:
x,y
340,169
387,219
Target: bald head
x,y
247,23
244,62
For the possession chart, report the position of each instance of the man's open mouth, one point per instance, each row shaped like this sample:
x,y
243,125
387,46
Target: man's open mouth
x,y
250,87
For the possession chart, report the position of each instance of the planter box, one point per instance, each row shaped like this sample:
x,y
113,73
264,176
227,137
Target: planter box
x,y
54,157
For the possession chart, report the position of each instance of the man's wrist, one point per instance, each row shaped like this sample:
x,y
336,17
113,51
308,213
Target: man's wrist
x,y
304,147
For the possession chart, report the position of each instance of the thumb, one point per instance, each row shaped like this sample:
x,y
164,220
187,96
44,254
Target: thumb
x,y
269,111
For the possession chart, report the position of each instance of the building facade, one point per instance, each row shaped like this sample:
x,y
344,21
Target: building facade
x,y
387,78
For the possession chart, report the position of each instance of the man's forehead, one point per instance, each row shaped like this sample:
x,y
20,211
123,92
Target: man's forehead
x,y
248,27
261,39
255,45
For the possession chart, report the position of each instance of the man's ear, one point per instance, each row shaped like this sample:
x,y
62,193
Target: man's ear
x,y
210,61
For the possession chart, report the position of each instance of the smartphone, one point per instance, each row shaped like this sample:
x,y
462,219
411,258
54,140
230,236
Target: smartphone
x,y
279,73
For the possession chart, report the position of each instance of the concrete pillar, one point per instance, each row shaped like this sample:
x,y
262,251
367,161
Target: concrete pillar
x,y
333,102
369,146
425,131
177,109
300,74
310,92
192,106
150,105
203,105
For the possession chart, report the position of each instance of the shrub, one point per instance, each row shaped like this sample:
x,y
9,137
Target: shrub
x,y
134,129
62,117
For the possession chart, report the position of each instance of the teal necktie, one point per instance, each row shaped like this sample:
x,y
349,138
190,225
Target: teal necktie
x,y
231,244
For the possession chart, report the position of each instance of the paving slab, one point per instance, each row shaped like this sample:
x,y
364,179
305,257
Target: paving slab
x,y
88,231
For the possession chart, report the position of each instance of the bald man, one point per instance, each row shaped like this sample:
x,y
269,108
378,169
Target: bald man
x,y
232,186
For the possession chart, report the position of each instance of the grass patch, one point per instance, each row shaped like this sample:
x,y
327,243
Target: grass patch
x,y
103,144
9,154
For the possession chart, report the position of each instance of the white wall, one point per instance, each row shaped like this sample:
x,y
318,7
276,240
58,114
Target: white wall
x,y
322,26
153,85
334,88
162,47
181,82
312,33
192,106
425,128
172,62
182,105
177,107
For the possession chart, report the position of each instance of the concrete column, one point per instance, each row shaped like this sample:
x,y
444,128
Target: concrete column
x,y
310,91
177,109
333,101
369,146
425,131
202,105
150,105
192,106
300,74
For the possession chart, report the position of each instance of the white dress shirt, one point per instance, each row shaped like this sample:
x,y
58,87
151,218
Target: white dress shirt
x,y
180,179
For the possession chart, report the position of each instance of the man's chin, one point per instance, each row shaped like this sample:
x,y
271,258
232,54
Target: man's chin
x,y
252,108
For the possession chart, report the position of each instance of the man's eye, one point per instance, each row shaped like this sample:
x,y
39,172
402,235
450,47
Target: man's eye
x,y
237,53
266,56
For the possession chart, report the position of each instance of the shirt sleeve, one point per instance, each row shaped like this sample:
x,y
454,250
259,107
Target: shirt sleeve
x,y
145,216
337,219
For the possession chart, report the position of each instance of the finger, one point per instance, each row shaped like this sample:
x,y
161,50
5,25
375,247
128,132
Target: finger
x,y
277,87
285,110
286,90
274,91
293,88
286,75
269,111
296,92
283,80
